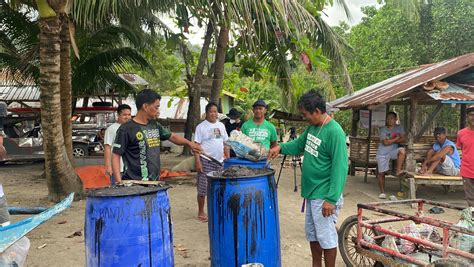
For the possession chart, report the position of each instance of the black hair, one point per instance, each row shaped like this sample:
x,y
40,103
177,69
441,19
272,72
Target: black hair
x,y
121,107
392,113
210,105
311,101
146,96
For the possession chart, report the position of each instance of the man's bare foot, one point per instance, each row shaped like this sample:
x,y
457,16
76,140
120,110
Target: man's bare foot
x,y
202,218
402,173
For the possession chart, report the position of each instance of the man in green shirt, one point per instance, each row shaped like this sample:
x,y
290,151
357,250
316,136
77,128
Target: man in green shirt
x,y
323,177
258,128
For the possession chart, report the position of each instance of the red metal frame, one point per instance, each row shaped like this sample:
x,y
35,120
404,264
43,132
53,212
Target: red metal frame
x,y
418,218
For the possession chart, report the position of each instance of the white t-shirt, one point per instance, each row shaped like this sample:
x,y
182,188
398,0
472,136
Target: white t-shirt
x,y
110,138
211,136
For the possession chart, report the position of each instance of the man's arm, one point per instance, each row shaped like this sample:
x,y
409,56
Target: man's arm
x,y
458,141
394,140
179,140
339,169
116,167
108,159
273,144
447,150
293,147
402,138
226,152
429,155
197,160
273,137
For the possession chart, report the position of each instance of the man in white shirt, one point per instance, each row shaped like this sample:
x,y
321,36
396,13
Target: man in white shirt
x,y
211,135
124,114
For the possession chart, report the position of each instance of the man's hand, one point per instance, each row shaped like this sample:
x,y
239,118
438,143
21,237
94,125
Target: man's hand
x,y
274,152
198,166
328,209
196,148
108,170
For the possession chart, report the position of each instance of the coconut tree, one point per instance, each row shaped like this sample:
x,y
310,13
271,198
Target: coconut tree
x,y
60,176
104,52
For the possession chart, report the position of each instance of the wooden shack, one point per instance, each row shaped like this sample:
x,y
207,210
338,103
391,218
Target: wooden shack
x,y
446,83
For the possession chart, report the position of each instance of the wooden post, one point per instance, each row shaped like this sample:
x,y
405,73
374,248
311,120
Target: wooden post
x,y
428,121
354,130
368,146
462,118
405,116
410,162
355,122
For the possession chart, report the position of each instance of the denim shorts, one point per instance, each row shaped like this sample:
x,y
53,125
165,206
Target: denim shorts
x,y
319,228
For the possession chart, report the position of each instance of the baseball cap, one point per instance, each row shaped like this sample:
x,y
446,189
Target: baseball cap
x,y
259,103
470,109
233,113
439,130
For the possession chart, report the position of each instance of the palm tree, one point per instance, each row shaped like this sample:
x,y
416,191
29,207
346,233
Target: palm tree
x,y
257,23
103,53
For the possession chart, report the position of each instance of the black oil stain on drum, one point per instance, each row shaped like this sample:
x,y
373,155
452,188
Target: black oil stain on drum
x,y
99,226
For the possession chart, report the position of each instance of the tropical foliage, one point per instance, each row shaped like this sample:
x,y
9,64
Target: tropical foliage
x,y
104,53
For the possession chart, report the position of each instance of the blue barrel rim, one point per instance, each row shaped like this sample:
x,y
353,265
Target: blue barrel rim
x,y
217,175
239,158
124,191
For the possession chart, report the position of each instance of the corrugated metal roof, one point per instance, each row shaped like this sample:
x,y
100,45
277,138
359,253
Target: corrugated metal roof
x,y
402,84
453,92
133,79
8,78
19,93
177,108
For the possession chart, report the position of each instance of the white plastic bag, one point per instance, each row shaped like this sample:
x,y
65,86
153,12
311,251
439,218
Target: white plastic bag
x,y
245,147
16,254
463,241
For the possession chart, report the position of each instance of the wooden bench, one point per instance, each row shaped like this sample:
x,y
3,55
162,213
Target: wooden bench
x,y
436,179
358,151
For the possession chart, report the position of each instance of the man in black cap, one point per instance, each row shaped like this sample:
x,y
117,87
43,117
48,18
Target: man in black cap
x,y
258,128
443,157
233,122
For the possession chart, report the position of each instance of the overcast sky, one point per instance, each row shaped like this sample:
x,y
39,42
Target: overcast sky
x,y
333,15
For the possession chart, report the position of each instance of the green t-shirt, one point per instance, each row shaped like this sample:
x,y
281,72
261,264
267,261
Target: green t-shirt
x,y
325,163
263,133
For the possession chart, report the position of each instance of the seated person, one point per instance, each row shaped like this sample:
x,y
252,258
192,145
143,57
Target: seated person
x,y
390,137
443,157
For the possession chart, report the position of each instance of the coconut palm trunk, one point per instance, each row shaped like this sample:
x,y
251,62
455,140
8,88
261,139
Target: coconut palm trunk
x,y
65,85
194,94
60,176
219,61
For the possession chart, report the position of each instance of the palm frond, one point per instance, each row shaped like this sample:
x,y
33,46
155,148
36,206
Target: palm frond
x,y
18,28
95,13
334,47
86,73
18,43
410,8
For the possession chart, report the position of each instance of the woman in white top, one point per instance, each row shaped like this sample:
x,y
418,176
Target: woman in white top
x,y
211,135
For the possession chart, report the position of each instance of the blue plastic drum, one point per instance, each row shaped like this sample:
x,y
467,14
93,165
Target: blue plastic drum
x,y
243,220
244,162
128,226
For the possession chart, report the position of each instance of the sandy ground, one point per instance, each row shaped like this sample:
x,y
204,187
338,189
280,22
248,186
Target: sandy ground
x,y
23,188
